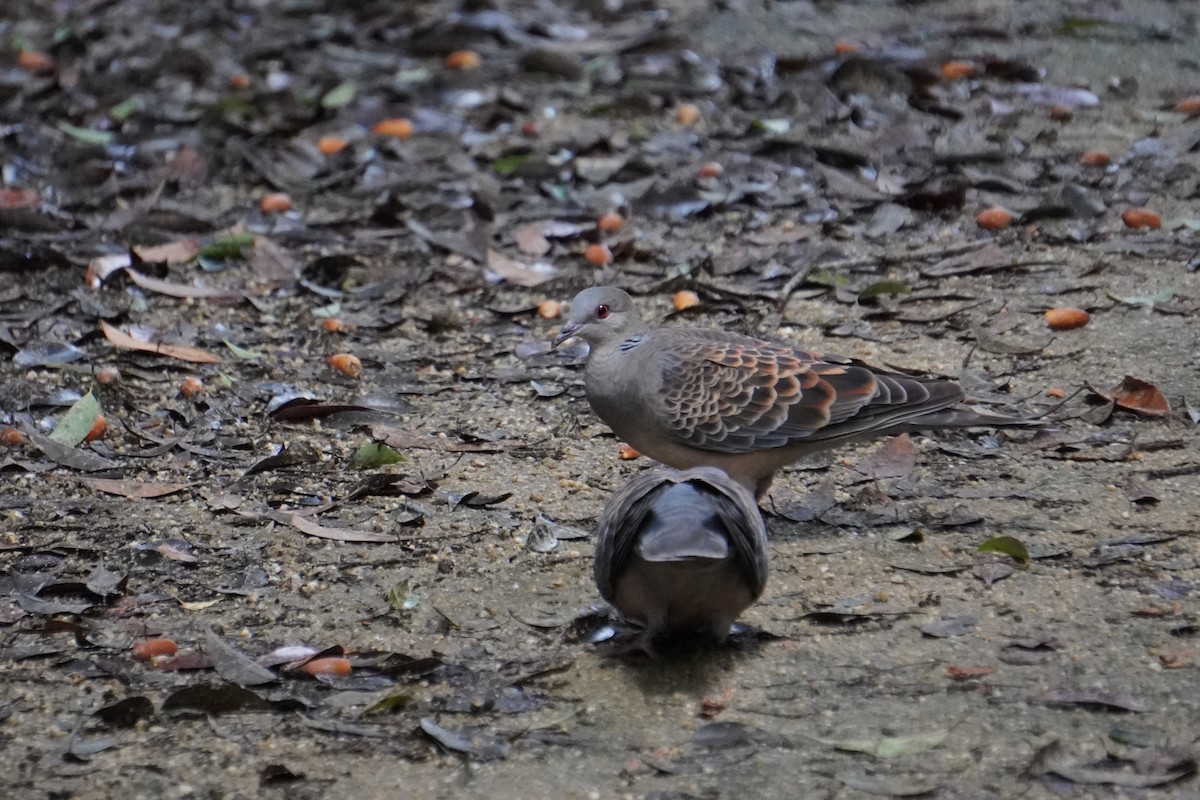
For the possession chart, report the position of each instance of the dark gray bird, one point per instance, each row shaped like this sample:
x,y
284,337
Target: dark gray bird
x,y
688,397
681,551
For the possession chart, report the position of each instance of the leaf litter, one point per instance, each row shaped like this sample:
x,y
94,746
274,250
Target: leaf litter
x,y
824,197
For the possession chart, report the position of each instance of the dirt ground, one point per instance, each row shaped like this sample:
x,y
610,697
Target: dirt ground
x,y
826,194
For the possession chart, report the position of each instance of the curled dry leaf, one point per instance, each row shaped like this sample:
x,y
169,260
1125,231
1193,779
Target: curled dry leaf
x,y
1138,396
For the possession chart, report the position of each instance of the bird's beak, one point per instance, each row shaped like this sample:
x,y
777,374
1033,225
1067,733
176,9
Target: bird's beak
x,y
567,331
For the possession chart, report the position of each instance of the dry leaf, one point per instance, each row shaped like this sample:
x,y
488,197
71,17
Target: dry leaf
x,y
1136,395
183,352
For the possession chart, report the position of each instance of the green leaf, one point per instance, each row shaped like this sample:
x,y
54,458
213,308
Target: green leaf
x,y
87,135
1144,299
373,455
825,278
241,352
775,127
507,165
406,77
327,312
77,423
229,247
340,95
890,746
401,598
389,704
880,288
1008,546
126,109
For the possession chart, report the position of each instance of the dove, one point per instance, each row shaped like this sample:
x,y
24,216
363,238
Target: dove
x,y
689,397
681,552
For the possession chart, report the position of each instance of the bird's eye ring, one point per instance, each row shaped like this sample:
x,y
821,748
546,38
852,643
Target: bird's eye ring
x,y
602,312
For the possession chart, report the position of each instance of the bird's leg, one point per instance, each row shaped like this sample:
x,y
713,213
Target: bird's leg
x,y
763,486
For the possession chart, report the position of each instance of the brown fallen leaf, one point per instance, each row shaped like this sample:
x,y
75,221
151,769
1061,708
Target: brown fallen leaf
x,y
1136,395
959,673
513,271
179,251
134,490
311,528
181,290
183,352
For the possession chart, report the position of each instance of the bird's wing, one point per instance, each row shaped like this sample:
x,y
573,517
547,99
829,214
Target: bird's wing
x,y
734,394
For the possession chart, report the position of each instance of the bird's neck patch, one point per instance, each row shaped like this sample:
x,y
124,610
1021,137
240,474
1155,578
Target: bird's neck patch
x,y
632,342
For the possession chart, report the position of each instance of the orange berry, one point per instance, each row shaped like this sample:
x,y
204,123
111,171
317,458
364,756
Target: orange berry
x,y
1189,105
1055,392
333,665
108,375
957,70
12,437
154,648
463,59
610,222
35,61
598,255
687,114
710,169
549,309
1095,158
345,363
275,203
845,47
529,128
98,429
191,386
627,453
1061,113
399,127
685,299
994,218
1065,318
328,145
239,81
333,325
1141,218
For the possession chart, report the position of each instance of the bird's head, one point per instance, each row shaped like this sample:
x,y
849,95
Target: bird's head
x,y
600,314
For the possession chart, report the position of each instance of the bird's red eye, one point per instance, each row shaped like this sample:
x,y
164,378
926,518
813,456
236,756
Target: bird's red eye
x,y
602,312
